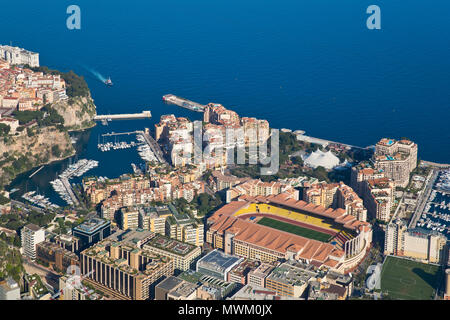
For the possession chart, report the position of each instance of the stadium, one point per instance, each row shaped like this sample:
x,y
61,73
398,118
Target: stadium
x,y
280,227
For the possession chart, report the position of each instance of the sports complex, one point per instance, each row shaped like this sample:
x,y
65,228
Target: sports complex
x,y
406,279
274,227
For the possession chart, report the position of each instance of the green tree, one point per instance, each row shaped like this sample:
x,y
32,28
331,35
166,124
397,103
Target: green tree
x,y
4,129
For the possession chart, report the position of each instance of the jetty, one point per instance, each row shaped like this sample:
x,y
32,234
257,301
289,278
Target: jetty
x,y
32,175
69,190
155,148
112,134
184,103
125,116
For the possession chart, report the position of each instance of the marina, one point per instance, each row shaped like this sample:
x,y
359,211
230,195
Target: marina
x,y
116,145
184,103
436,215
144,150
39,200
62,185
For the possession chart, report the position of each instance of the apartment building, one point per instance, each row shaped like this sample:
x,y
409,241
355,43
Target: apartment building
x,y
256,187
239,274
9,290
420,244
129,218
154,218
257,277
120,267
379,198
397,159
31,236
182,254
184,228
321,194
290,279
53,254
395,238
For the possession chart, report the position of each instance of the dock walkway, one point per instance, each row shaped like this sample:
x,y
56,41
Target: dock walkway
x,y
125,116
69,190
184,103
154,147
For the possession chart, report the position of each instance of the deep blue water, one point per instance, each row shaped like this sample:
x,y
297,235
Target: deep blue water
x,y
310,65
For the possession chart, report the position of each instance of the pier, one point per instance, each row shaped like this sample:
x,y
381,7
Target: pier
x,y
184,103
69,190
32,175
112,134
154,147
125,116
302,137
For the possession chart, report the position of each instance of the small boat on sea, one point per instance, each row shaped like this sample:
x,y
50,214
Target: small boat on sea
x,y
108,82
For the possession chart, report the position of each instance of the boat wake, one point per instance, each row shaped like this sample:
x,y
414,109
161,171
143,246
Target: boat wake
x,y
96,74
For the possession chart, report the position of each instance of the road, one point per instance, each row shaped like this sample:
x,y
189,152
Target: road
x,y
69,191
47,275
424,198
398,208
26,206
209,191
155,148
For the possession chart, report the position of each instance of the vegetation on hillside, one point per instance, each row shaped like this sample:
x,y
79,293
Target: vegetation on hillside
x,y
4,200
10,262
14,221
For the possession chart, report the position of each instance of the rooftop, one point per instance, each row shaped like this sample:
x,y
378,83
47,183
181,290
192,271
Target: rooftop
x,y
132,237
170,245
217,261
292,274
92,225
170,283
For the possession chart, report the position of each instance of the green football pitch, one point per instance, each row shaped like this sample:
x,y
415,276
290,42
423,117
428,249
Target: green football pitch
x,y
409,280
304,232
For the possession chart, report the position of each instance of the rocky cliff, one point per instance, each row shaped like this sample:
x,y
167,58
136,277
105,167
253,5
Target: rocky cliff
x,y
31,148
48,140
78,112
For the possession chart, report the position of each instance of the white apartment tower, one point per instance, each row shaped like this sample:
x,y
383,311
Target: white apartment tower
x,y
395,238
31,235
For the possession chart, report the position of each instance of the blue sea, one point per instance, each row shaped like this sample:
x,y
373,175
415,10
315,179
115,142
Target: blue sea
x,y
301,64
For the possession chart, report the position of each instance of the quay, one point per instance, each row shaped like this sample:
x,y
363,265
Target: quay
x,y
26,205
184,103
434,164
302,137
125,116
69,190
112,134
423,198
156,149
